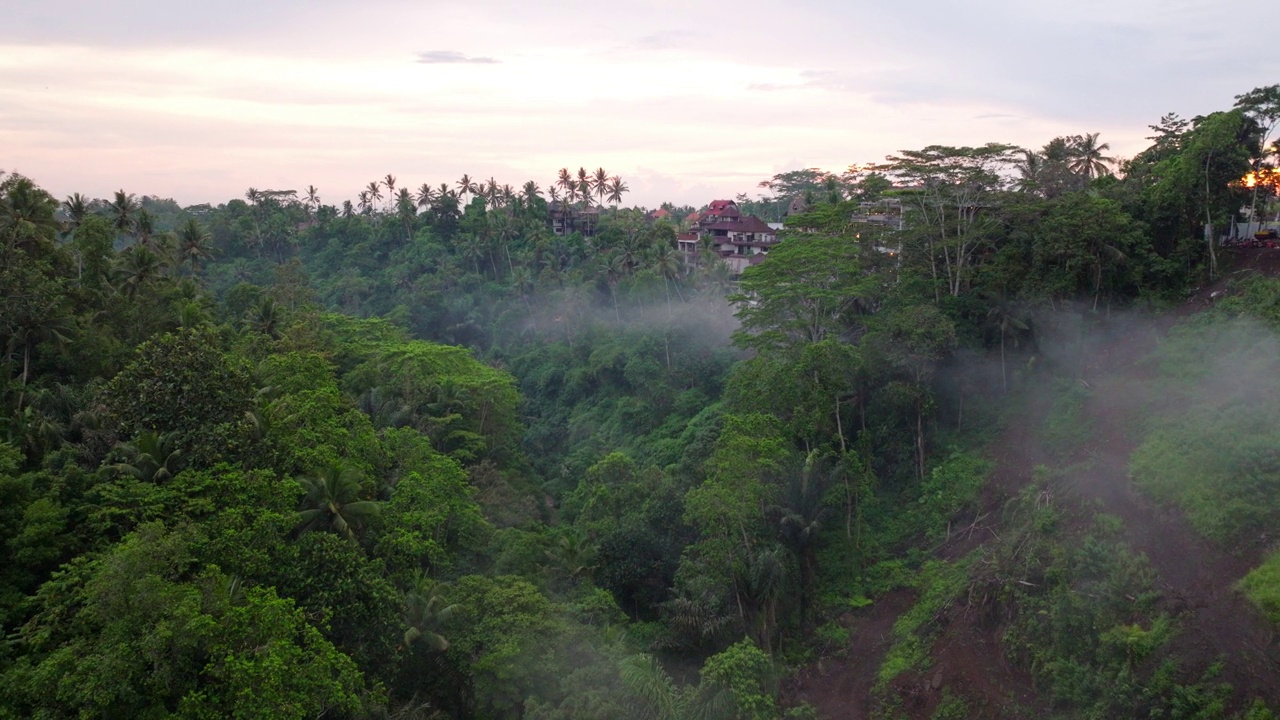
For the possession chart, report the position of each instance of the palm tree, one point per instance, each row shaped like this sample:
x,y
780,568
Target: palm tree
x,y
564,180
600,183
363,201
529,193
375,193
574,554
659,697
123,211
669,262
425,195
194,244
616,189
1006,316
390,182
152,457
313,197
348,210
584,185
466,186
1029,168
331,501
27,213
1087,158
77,208
138,267
145,226
425,612
265,317
800,516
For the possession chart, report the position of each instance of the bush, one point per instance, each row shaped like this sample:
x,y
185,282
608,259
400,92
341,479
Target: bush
x,y
1262,587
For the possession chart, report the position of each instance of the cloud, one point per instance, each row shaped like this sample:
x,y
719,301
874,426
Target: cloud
x,y
664,40
452,57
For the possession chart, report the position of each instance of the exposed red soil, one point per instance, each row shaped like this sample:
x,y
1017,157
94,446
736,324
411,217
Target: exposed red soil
x,y
840,686
1196,578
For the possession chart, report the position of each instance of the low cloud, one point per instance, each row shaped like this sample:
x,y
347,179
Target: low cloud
x,y
453,57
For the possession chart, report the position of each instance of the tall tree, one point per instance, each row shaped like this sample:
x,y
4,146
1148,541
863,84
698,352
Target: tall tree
x,y
616,189
1262,105
600,184
77,208
193,244
1087,158
124,209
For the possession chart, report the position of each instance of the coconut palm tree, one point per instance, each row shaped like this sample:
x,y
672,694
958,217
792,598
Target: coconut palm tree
x,y
565,180
1029,168
144,226
348,210
800,515
390,182
77,209
313,198
466,186
616,189
139,266
426,611
529,193
27,213
151,457
124,209
1087,158
194,244
332,501
600,183
375,193
426,194
363,201
265,317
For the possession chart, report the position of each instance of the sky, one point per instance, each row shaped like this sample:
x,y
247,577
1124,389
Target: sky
x,y
687,101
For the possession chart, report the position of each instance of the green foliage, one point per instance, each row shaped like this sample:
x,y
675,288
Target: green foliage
x,y
939,584
466,407
181,383
812,288
155,634
1211,448
950,487
746,674
505,628
432,519
1262,587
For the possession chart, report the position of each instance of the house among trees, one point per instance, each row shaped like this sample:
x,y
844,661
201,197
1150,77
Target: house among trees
x,y
741,241
567,219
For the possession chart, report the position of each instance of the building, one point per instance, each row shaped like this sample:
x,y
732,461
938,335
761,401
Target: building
x,y
566,219
740,241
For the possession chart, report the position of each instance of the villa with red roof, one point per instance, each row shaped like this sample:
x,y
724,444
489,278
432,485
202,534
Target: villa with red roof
x,y
741,241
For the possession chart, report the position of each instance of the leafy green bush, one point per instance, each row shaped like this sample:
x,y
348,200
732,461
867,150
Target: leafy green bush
x,y
1262,587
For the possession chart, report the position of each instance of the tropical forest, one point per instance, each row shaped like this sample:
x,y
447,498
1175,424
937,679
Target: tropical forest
x,y
976,432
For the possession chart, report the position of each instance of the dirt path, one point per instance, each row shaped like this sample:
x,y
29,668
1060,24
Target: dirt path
x,y
1195,576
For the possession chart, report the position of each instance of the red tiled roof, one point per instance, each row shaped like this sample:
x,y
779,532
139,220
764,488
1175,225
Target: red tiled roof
x,y
749,224
693,216
659,213
718,206
687,237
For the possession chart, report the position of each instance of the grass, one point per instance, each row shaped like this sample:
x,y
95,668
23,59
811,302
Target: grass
x,y
1262,587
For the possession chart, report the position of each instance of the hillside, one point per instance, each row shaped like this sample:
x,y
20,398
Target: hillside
x,y
1218,633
